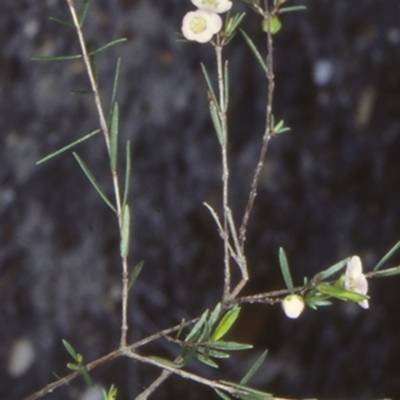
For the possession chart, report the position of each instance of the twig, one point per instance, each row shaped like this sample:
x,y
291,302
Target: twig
x,y
106,134
267,132
52,386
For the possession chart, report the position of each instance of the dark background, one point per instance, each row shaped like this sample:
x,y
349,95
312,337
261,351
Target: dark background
x,y
330,189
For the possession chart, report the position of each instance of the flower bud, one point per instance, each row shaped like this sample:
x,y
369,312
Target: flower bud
x,y
293,305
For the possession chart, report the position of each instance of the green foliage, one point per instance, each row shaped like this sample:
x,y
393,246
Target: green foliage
x,y
285,270
225,324
135,273
256,53
78,367
340,293
273,23
387,256
255,367
93,181
111,394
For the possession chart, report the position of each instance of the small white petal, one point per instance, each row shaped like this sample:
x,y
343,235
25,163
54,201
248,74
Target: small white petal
x,y
218,6
21,357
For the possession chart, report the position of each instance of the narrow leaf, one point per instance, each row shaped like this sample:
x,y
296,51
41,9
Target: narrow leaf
x,y
197,326
86,377
93,181
73,367
253,48
106,46
226,324
341,294
57,58
69,146
181,326
83,12
125,230
206,361
285,269
114,137
387,272
115,85
135,273
216,122
165,362
254,368
332,270
187,355
387,256
222,395
247,390
215,315
230,346
70,350
127,172
214,353
291,9
209,84
61,22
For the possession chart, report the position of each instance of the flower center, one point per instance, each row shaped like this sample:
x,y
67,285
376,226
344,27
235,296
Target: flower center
x,y
210,3
198,25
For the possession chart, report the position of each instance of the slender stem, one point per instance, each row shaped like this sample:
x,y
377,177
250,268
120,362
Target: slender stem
x,y
225,169
114,174
267,131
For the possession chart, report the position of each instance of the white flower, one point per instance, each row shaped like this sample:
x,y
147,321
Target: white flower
x,y
201,25
293,305
355,280
218,6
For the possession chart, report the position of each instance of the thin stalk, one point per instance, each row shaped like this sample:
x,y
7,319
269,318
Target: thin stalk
x,y
225,169
267,131
114,174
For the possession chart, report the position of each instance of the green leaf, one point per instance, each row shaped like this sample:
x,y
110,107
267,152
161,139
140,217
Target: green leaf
x,y
226,324
254,368
165,362
115,85
253,48
114,137
69,146
332,270
215,315
106,46
86,377
112,393
71,351
387,256
61,22
291,9
230,346
187,354
73,367
213,353
285,269
222,395
387,272
57,58
207,361
125,231
83,12
135,273
197,326
217,123
181,326
340,293
93,181
209,84
127,172
246,392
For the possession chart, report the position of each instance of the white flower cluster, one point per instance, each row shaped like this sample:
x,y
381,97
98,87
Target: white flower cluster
x,y
202,24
